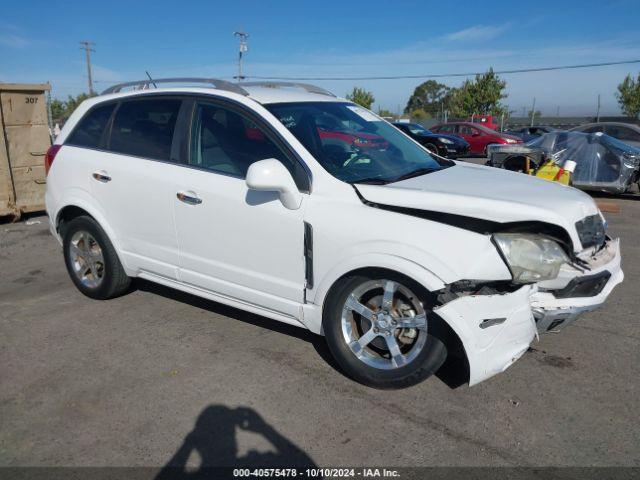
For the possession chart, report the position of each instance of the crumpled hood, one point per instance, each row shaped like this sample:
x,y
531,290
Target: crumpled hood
x,y
488,193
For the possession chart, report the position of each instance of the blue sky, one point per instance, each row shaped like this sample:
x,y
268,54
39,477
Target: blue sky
x,y
39,42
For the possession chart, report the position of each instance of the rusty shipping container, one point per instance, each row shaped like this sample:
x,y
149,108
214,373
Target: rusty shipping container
x,y
24,140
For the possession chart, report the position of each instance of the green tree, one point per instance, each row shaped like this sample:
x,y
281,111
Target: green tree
x,y
628,96
361,97
431,97
480,96
419,114
63,109
57,109
383,112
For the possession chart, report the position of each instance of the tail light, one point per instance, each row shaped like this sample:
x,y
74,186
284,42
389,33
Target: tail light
x,y
50,157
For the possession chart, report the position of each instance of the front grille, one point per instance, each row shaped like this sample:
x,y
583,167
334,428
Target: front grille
x,y
591,231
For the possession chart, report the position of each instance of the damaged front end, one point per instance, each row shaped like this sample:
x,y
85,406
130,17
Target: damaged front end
x,y
493,320
578,288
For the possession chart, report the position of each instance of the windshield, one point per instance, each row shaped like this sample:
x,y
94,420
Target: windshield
x,y
418,129
353,144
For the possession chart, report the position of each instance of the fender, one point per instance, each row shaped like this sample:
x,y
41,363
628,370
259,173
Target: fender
x,y
77,197
313,310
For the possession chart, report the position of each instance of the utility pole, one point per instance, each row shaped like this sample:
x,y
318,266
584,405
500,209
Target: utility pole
x,y
598,112
533,111
558,111
86,46
243,48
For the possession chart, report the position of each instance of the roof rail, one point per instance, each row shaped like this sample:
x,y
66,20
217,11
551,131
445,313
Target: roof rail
x,y
305,86
144,84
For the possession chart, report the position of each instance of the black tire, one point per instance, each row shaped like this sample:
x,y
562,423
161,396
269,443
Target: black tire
x,y
425,364
485,152
113,281
432,148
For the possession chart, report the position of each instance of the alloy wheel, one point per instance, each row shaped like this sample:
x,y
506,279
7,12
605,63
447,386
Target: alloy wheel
x,y
87,259
384,324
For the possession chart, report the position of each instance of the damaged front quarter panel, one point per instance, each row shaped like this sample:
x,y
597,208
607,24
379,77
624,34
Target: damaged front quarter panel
x,y
493,320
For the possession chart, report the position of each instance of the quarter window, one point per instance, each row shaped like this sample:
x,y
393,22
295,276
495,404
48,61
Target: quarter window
x,y
144,128
223,141
89,131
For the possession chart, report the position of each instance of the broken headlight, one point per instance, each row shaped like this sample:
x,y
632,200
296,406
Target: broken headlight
x,y
531,258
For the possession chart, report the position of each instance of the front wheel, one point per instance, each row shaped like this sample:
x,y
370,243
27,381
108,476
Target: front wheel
x,y
378,327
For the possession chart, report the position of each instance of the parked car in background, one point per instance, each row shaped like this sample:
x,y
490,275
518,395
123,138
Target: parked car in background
x,y
448,146
529,133
334,132
478,136
625,132
603,163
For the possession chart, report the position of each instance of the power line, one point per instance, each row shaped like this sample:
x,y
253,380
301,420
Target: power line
x,y
459,74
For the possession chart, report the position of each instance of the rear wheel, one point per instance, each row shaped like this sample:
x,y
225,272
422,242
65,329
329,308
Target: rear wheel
x,y
91,260
378,329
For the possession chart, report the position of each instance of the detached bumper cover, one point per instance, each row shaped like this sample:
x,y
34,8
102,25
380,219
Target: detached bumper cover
x,y
495,330
582,292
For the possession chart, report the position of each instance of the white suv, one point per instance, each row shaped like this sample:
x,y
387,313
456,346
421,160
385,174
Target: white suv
x,y
283,200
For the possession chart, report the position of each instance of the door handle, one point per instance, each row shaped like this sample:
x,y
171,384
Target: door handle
x,y
101,176
189,197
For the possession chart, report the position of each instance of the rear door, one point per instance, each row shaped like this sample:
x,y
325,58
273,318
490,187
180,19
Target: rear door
x,y
240,243
132,178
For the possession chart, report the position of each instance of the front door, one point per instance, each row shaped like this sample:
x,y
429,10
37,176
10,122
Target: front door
x,y
236,242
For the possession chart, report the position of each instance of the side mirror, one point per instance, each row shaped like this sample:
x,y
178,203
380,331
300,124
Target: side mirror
x,y
475,134
272,176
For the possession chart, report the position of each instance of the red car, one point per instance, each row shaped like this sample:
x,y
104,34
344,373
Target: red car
x,y
332,131
478,136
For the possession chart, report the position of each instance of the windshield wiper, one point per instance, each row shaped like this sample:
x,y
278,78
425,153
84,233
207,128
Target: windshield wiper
x,y
415,173
372,181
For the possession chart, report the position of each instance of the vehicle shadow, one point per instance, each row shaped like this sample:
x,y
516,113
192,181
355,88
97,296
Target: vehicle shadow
x,y
317,341
214,441
453,373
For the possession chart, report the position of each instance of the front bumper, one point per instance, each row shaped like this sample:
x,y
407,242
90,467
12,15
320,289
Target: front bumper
x,y
495,330
551,306
453,151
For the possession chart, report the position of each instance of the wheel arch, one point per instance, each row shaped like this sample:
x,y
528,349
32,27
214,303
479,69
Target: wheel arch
x,y
76,206
455,371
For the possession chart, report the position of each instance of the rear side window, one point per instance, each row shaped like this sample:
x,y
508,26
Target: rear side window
x,y
88,132
144,128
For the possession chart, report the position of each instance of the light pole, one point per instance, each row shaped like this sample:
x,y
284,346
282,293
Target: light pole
x,y
86,46
243,48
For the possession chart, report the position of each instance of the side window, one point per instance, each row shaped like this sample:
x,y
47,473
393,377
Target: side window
x,y
223,141
597,128
464,130
447,129
623,133
144,128
89,130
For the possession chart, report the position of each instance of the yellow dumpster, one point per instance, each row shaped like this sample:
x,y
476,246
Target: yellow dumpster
x,y
24,140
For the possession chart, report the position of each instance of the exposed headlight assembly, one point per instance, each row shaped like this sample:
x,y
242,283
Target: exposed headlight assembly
x,y
531,258
445,140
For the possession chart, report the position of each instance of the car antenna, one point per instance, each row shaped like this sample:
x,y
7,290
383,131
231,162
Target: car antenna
x,y
154,83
